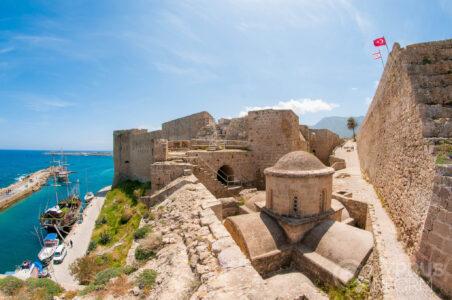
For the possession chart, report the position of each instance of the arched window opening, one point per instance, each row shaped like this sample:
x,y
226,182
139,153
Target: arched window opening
x,y
225,175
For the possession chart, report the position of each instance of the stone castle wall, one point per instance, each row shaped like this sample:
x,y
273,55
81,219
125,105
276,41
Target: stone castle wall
x,y
434,256
272,134
410,110
133,154
186,128
322,143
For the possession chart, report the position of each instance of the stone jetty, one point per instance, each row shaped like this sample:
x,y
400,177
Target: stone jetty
x,y
28,185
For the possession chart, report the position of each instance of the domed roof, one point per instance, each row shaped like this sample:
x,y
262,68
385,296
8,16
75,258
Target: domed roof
x,y
299,163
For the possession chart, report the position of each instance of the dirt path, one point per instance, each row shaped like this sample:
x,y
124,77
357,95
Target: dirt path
x,y
399,281
80,236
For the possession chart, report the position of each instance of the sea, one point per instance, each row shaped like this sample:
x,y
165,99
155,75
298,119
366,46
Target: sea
x,y
18,238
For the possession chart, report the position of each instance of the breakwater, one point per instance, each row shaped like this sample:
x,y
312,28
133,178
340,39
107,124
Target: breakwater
x,y
26,186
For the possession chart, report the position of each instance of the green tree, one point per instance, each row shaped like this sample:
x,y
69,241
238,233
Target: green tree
x,y
352,124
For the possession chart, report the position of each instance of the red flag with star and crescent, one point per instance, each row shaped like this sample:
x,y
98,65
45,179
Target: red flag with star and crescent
x,y
380,42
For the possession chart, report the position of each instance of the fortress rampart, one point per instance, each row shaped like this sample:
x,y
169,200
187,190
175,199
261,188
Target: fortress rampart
x,y
251,144
408,121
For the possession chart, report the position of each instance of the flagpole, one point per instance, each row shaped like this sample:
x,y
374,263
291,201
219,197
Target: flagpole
x,y
381,58
386,44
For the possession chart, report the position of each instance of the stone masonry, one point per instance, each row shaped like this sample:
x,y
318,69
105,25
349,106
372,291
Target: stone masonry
x,y
409,115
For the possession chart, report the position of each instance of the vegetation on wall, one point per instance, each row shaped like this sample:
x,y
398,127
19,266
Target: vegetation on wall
x,y
114,232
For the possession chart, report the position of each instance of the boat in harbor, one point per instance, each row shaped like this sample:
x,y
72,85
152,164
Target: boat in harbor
x,y
89,197
61,217
51,243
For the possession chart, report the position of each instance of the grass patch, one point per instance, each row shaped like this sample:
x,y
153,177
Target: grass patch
x,y
353,290
32,288
443,153
10,285
146,279
43,288
114,233
141,232
144,253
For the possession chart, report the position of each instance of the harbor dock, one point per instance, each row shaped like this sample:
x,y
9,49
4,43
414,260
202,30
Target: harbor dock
x,y
28,185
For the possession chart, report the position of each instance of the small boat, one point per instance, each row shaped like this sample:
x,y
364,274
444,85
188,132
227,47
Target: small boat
x,y
51,243
88,197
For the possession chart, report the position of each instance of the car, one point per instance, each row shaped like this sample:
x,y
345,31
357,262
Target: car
x,y
60,254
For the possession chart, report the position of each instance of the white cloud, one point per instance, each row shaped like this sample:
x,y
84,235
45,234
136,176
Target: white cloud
x,y
42,105
368,101
354,88
299,106
6,50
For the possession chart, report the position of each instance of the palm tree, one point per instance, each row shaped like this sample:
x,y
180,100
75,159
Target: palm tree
x,y
352,124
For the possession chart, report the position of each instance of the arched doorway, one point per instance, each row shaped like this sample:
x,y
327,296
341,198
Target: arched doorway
x,y
225,174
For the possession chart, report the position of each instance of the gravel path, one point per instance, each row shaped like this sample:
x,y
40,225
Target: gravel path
x,y
399,281
80,236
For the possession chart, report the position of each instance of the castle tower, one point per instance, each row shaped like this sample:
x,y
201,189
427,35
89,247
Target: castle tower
x,y
298,188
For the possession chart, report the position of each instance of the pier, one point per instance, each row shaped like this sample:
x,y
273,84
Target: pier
x,y
28,185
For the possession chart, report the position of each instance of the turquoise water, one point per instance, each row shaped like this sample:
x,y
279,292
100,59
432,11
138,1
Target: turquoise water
x,y
17,238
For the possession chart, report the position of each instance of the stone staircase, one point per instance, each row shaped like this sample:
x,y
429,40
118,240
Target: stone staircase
x,y
208,177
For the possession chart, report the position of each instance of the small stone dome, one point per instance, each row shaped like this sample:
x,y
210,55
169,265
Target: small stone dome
x,y
299,163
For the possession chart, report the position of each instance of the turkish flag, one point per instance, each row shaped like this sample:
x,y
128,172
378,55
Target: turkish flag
x,y
379,42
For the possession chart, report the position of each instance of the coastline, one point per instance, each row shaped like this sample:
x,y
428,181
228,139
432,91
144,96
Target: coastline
x,y
21,189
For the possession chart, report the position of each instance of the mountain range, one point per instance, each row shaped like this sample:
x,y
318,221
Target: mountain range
x,y
338,125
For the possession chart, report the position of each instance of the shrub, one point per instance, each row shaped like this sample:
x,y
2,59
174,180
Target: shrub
x,y
85,268
143,253
104,238
102,220
129,269
10,285
146,279
45,287
126,216
152,241
91,288
104,276
92,246
141,232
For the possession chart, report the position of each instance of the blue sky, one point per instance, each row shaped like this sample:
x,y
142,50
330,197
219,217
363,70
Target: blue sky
x,y
71,72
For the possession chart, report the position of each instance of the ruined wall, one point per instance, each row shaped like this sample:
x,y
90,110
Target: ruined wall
x,y
162,173
237,129
322,143
188,127
410,110
241,162
133,153
272,134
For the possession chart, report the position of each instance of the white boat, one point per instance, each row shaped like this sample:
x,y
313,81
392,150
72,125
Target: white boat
x,y
51,243
88,197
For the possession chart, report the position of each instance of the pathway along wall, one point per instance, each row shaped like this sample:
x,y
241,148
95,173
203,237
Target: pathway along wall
x,y
410,112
